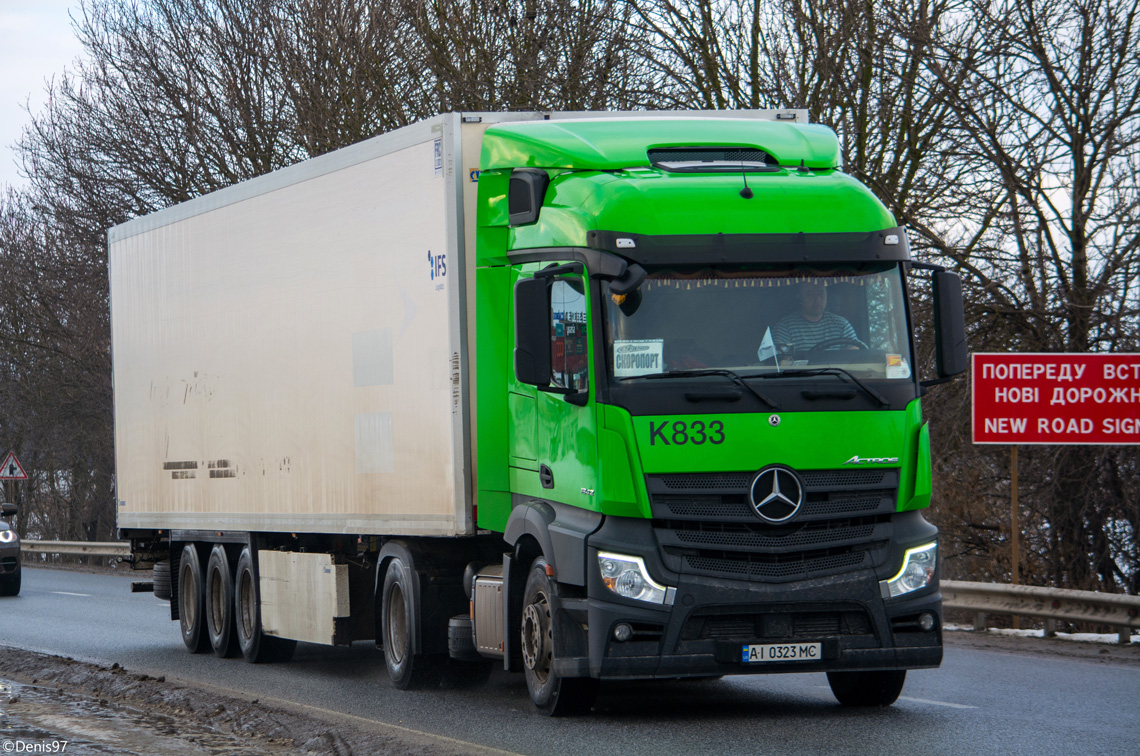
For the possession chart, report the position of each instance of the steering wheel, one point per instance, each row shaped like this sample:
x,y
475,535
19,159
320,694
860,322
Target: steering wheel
x,y
824,346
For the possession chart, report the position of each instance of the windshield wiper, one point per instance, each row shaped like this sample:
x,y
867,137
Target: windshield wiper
x,y
730,374
838,372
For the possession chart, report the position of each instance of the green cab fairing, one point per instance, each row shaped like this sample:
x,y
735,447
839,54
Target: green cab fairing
x,y
602,180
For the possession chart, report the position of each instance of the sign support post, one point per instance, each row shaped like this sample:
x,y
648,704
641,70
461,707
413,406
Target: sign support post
x,y
1014,527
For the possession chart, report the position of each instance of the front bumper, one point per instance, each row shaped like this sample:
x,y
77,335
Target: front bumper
x,y
704,632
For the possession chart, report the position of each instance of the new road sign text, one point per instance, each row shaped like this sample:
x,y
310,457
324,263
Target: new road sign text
x,y
1056,398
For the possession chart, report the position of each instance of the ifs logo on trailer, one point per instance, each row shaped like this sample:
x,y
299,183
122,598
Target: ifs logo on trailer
x,y
438,266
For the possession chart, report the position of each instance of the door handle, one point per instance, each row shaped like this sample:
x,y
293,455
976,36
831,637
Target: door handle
x,y
546,476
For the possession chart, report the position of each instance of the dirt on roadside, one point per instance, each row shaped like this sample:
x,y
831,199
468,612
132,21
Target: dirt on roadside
x,y
46,700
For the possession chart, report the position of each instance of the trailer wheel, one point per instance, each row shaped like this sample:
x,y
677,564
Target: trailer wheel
x,y
408,670
192,600
552,694
220,603
879,688
256,646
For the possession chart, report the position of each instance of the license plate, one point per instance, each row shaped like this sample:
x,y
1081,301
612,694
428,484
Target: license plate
x,y
782,652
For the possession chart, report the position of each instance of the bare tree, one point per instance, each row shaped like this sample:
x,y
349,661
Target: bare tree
x,y
1048,119
529,54
55,404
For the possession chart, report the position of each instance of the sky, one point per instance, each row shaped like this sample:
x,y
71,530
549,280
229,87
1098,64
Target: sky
x,y
36,42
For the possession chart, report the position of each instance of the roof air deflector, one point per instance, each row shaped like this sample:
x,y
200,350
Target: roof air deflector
x,y
712,159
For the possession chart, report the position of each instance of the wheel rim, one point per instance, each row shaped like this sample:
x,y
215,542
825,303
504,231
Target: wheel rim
x,y
217,601
397,623
246,602
188,606
537,639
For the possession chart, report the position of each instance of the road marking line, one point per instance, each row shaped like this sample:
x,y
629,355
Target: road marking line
x,y
68,593
936,703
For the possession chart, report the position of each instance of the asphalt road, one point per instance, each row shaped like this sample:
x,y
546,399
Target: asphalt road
x,y
980,701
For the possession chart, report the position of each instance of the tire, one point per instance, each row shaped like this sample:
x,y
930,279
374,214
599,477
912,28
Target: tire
x,y
163,590
255,645
10,586
220,603
880,688
192,601
552,694
408,670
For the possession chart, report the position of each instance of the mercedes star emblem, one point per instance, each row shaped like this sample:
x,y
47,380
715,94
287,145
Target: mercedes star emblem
x,y
776,494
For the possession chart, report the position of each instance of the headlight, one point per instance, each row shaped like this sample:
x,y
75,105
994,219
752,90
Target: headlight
x,y
7,536
626,576
917,571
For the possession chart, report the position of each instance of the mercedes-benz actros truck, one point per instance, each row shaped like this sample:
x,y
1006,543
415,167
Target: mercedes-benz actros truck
x,y
585,396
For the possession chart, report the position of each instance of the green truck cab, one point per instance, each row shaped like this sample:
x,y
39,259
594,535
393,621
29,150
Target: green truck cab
x,y
699,421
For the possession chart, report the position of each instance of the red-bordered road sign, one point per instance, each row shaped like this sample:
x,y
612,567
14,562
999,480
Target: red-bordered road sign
x,y
11,469
1056,398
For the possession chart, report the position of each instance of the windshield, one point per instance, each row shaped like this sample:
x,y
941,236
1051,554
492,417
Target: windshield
x,y
762,319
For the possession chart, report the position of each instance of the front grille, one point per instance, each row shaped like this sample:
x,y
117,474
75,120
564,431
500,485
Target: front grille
x,y
775,624
736,507
750,566
706,525
757,537
714,480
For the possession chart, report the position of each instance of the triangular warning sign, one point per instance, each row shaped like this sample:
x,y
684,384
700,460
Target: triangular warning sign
x,y
12,469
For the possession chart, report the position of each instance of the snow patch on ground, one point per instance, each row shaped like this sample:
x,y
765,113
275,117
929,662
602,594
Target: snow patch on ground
x,y
1078,637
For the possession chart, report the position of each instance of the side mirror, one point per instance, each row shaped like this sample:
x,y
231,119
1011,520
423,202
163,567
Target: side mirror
x,y
951,355
525,195
532,331
9,510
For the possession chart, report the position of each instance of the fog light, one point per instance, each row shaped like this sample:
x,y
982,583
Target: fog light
x,y
623,632
926,621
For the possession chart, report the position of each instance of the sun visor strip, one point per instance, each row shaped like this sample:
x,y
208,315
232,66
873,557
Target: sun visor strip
x,y
888,245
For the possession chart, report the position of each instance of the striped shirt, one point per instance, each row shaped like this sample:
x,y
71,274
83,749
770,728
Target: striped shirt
x,y
803,335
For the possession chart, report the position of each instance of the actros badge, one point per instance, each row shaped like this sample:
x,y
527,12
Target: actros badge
x,y
776,494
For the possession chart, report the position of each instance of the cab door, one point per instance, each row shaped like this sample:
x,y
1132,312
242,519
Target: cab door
x,y
567,425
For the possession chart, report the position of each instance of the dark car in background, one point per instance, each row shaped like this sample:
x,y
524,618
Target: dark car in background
x,y
9,553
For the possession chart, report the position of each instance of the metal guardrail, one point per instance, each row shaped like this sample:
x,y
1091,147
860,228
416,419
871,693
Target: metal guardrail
x,y
77,548
1050,604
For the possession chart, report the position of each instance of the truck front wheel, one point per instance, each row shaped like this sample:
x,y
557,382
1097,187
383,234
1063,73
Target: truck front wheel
x,y
879,688
408,670
551,693
191,600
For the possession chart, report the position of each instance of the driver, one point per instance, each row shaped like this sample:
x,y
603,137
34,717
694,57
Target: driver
x,y
813,324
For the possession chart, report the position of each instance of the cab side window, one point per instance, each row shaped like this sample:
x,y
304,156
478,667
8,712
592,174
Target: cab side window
x,y
569,367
